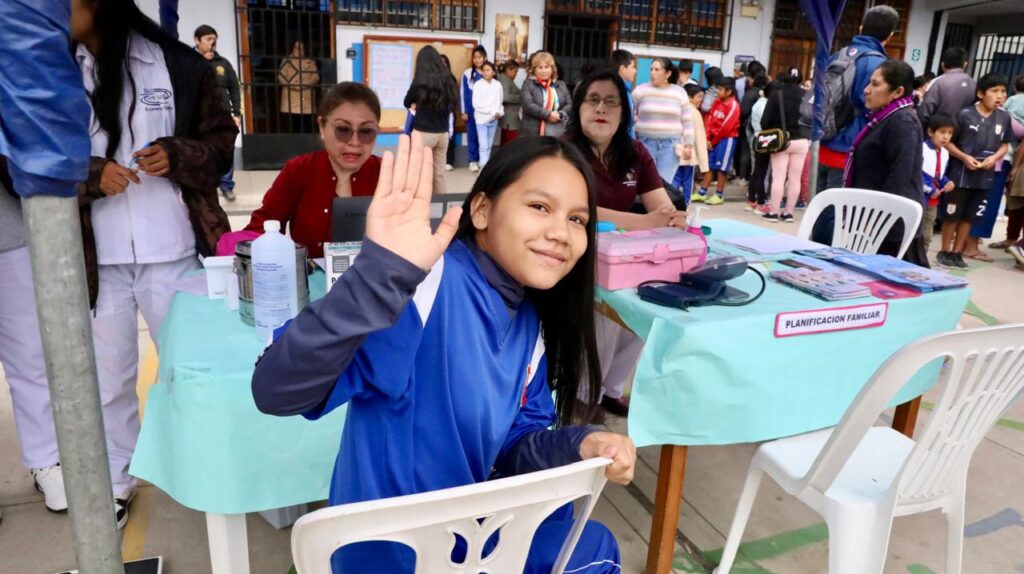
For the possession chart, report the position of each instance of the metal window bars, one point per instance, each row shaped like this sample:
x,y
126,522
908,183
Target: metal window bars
x,y
453,15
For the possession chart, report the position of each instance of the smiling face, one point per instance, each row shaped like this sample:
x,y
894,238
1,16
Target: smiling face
x,y
536,229
478,59
599,120
659,75
356,120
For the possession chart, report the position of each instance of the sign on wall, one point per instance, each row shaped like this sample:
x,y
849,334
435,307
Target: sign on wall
x,y
511,37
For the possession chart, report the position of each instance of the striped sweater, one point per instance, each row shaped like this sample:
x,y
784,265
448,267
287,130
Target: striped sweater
x,y
663,113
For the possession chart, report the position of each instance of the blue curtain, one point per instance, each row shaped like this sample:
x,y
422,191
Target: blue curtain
x,y
824,16
169,16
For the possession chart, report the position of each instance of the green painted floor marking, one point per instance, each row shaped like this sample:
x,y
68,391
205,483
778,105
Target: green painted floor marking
x,y
762,549
919,569
975,311
1005,423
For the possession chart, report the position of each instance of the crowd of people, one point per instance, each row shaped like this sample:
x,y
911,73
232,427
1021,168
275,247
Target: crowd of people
x,y
501,293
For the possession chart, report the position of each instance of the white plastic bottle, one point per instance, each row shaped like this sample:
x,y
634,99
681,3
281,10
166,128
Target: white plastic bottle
x,y
273,280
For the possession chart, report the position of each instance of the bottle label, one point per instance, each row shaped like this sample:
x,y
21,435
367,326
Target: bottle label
x,y
271,293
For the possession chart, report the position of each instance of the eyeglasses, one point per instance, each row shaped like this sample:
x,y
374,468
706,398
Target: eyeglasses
x,y
365,135
596,100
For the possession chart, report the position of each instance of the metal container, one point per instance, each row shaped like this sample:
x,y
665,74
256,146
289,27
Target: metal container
x,y
243,269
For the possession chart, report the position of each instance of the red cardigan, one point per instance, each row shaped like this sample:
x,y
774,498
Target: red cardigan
x,y
302,195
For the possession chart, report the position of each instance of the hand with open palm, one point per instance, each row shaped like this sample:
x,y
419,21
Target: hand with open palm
x,y
399,215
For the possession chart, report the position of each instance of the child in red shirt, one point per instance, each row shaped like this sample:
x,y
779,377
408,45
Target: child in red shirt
x,y
723,127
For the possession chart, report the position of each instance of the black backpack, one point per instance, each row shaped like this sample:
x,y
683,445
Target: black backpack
x,y
839,78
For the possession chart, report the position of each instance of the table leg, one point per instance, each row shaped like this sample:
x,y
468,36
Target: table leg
x,y
905,417
229,543
669,496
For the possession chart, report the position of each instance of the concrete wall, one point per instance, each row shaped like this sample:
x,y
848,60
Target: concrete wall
x,y
919,29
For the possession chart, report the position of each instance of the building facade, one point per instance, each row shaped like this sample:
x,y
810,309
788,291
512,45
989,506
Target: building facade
x,y
374,41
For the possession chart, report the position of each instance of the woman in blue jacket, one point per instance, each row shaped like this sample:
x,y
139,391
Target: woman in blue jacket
x,y
448,355
469,77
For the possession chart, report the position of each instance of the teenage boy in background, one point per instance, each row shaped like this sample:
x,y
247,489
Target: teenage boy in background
x,y
982,138
723,127
624,62
936,159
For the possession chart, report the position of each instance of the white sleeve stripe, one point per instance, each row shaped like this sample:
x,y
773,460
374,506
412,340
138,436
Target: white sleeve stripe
x,y
538,354
426,292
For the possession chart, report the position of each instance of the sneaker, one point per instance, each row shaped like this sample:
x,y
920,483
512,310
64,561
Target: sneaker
x,y
750,206
121,504
474,166
786,218
714,200
945,260
228,194
448,167
50,481
801,204
958,261
770,217
1017,250
698,198
764,208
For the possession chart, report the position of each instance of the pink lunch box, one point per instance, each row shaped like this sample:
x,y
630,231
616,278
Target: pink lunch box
x,y
626,259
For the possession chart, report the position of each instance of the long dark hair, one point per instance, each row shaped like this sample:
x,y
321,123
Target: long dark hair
x,y
114,21
566,310
621,154
431,81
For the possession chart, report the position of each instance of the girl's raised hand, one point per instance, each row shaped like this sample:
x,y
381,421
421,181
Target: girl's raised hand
x,y
399,215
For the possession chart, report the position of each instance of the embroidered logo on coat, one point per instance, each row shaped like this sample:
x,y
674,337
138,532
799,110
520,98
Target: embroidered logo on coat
x,y
156,96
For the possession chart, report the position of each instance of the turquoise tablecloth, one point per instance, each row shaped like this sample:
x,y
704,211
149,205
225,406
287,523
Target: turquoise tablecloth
x,y
718,375
203,441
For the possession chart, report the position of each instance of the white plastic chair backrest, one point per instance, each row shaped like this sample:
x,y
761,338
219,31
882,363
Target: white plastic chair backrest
x,y
984,372
428,522
863,218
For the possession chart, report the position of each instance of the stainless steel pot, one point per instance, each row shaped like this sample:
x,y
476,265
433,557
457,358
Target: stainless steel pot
x,y
243,269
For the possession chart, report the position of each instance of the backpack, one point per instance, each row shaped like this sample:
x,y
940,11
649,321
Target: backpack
x,y
839,111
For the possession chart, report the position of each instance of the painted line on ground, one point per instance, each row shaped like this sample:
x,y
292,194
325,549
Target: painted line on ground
x,y
133,541
763,549
973,310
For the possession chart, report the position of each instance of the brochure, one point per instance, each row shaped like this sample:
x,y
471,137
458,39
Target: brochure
x,y
827,284
900,272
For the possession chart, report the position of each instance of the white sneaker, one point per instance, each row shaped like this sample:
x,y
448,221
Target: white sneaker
x,y
50,481
448,167
474,166
122,502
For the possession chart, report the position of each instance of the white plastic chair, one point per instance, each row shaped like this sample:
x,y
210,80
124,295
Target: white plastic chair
x,y
858,477
428,522
863,218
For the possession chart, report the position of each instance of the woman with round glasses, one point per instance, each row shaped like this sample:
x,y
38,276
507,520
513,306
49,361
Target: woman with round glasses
x,y
623,171
302,195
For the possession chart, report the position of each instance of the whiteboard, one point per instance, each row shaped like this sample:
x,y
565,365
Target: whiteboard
x,y
390,73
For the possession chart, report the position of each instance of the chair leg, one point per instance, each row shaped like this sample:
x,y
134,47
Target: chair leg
x,y
739,520
858,540
955,534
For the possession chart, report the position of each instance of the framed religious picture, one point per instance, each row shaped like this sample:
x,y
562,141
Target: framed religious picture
x,y
511,36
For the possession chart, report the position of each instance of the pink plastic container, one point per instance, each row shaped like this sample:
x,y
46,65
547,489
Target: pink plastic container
x,y
626,259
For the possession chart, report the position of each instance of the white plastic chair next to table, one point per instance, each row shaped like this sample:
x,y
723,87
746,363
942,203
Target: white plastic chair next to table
x,y
863,218
427,522
858,477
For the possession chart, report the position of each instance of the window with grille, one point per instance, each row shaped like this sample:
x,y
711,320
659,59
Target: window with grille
x,y
698,24
456,15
